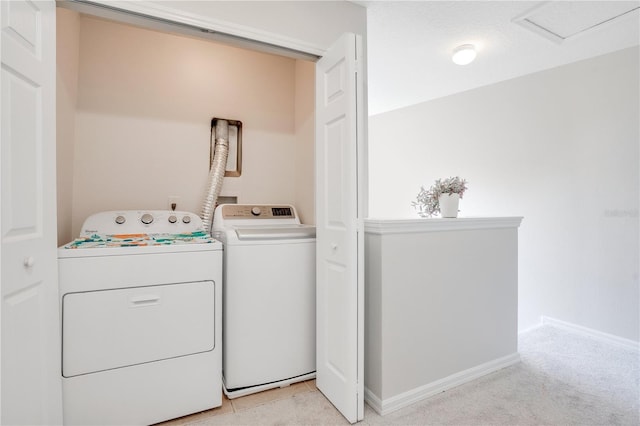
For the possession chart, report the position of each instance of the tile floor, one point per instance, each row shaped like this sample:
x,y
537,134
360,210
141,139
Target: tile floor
x,y
246,402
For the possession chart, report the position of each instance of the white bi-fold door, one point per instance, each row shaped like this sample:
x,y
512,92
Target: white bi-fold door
x,y
340,180
31,382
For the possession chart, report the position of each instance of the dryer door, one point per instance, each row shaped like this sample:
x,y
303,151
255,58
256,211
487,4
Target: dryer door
x,y
109,329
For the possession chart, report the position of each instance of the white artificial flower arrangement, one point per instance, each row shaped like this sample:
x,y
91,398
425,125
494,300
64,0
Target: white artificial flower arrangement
x,y
427,202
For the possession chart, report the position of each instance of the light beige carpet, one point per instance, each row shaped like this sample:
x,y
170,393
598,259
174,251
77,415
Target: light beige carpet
x,y
563,379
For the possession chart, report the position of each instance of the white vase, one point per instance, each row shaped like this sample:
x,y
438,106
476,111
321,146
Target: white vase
x,y
449,205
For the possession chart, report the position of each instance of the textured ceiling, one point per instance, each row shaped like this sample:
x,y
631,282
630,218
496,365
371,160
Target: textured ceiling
x,y
410,43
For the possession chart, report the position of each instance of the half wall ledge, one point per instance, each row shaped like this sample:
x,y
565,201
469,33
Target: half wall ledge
x,y
411,226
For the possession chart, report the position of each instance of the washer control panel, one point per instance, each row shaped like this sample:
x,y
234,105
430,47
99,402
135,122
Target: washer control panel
x,y
135,221
243,215
251,211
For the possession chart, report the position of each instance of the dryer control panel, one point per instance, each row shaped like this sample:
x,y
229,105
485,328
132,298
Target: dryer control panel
x,y
141,221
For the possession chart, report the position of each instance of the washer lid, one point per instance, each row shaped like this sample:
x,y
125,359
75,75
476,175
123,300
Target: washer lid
x,y
275,232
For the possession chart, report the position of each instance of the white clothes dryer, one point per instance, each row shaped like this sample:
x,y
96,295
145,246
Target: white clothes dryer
x,y
269,299
141,304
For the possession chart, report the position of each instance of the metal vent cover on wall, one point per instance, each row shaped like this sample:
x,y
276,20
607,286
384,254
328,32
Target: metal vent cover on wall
x,y
234,159
560,21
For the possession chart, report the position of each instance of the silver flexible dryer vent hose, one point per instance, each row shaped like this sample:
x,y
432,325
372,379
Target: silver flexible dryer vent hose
x,y
216,173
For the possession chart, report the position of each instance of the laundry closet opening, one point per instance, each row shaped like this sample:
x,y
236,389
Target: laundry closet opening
x,y
134,110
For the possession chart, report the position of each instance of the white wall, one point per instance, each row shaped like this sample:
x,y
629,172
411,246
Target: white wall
x,y
429,323
559,147
145,101
305,114
67,50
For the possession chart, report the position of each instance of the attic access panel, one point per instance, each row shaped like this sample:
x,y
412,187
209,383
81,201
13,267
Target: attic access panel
x,y
234,160
560,21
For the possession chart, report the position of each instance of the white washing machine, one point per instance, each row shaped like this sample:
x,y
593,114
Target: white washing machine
x,y
141,304
269,301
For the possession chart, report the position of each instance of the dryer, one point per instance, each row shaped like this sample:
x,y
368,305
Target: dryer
x,y
141,304
269,302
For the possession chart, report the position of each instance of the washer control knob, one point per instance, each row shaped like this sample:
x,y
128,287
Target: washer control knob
x,y
186,219
120,220
256,211
146,218
173,219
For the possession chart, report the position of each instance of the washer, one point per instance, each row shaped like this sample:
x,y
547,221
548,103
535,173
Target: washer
x,y
269,302
141,303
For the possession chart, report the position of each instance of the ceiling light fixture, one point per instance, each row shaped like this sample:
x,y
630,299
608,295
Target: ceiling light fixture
x,y
464,54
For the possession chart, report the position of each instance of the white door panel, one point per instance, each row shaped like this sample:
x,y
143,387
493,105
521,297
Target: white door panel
x,y
31,392
338,209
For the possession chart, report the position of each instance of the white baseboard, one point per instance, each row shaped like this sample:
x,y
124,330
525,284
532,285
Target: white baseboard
x,y
372,400
405,399
594,334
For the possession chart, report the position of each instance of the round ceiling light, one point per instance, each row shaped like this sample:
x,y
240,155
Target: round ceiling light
x,y
464,54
